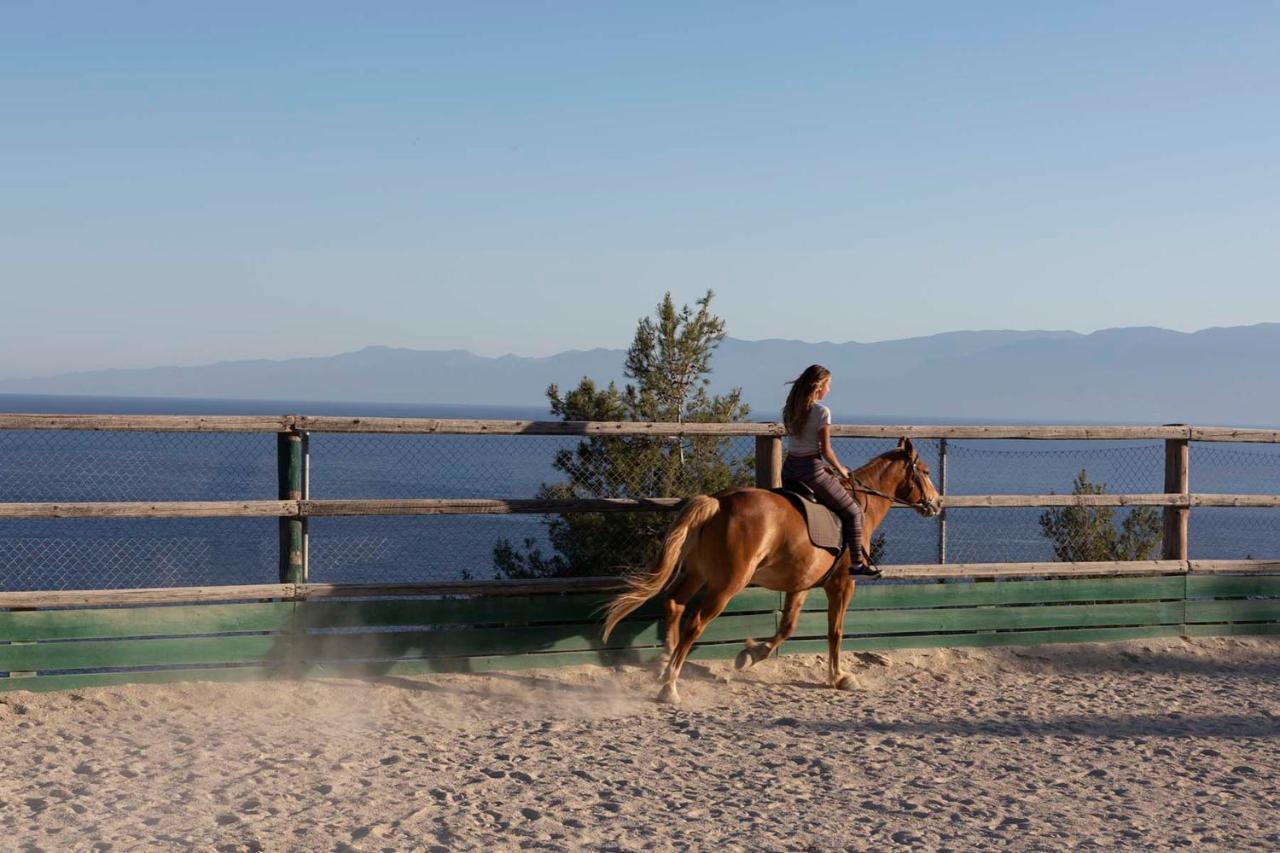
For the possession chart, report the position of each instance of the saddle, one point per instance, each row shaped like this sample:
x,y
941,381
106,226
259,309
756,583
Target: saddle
x,y
824,525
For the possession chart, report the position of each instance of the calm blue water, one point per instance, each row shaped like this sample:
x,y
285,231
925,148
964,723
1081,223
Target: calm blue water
x,y
84,553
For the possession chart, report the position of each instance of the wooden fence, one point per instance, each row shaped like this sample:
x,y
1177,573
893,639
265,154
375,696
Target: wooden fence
x,y
63,638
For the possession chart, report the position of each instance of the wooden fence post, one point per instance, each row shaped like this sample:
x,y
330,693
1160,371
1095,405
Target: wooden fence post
x,y
768,461
942,490
1177,480
291,465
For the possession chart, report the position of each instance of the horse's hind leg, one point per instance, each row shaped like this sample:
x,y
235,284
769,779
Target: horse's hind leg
x,y
756,652
709,609
686,588
839,591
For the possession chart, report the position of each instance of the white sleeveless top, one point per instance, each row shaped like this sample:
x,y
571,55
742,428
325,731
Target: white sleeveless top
x,y
805,441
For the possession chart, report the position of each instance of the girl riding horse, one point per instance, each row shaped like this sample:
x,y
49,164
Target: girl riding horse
x,y
808,425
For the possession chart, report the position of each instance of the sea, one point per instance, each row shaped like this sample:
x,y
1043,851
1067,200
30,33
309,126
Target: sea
x,y
56,465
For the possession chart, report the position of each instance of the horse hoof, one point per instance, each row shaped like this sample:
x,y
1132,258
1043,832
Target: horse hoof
x,y
744,660
669,695
845,682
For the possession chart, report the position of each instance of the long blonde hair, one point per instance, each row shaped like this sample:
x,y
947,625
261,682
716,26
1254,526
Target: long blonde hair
x,y
804,393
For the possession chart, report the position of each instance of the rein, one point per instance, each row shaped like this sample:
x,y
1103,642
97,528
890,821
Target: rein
x,y
857,485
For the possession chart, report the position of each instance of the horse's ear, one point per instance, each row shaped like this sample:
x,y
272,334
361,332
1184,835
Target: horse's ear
x,y
904,443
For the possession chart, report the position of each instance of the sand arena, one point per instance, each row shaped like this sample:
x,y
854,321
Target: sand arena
x,y
1145,744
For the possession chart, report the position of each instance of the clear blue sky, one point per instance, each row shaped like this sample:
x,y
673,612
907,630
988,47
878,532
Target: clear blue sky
x,y
182,183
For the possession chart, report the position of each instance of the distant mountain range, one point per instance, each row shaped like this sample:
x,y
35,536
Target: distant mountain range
x,y
1228,376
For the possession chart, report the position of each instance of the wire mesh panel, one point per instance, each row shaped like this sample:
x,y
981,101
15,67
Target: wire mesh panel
x,y
125,553
371,466
1000,535
1231,533
519,466
486,547
75,465
1009,467
1235,469
431,549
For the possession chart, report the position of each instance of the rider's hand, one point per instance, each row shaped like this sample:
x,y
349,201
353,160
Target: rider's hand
x,y
844,472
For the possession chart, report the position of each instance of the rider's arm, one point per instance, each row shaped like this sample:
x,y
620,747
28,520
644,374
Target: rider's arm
x,y
828,452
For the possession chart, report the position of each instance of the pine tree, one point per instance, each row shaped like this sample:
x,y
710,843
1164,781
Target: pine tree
x,y
668,363
1089,534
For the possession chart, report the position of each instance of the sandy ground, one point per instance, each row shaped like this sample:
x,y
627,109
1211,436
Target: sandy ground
x,y
1138,745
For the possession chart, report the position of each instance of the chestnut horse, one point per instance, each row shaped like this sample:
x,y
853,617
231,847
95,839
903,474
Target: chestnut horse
x,y
743,535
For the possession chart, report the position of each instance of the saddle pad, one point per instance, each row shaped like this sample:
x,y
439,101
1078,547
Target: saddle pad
x,y
824,525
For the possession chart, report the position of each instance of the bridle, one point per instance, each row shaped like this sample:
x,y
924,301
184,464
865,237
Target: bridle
x,y
913,473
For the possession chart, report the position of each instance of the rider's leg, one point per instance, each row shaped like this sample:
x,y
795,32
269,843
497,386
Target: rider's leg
x,y
837,498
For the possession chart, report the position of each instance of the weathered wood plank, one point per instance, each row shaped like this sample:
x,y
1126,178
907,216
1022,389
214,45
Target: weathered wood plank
x,y
144,621
1152,499
450,426
632,428
97,654
426,426
149,423
150,509
1212,567
1235,500
453,506
1267,436
161,595
1014,570
1034,433
941,620
503,506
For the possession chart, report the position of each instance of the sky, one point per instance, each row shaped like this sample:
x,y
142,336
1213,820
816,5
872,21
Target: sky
x,y
186,183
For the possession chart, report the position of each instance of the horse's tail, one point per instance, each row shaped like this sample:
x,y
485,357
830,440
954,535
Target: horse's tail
x,y
675,547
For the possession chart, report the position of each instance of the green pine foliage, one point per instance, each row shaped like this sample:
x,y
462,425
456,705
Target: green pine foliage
x,y
1089,533
668,363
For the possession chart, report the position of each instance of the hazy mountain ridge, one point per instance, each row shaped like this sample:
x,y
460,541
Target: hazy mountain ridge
x,y
1144,374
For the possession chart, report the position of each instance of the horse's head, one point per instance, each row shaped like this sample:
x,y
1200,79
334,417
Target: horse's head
x,y
914,487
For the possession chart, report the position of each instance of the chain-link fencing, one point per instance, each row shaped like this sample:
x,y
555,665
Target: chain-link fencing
x,y
1228,533
69,466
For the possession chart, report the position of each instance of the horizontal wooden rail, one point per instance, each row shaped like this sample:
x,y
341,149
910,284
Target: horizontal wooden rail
x,y
550,586
150,509
444,426
160,595
503,506
460,426
430,506
150,423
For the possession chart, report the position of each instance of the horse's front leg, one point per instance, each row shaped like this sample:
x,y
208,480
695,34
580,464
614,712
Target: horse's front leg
x,y
756,652
839,591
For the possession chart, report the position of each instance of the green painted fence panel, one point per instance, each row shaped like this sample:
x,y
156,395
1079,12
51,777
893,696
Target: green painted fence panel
x,y
1003,638
1238,610
993,618
1239,629
514,640
899,596
98,654
46,683
1229,586
505,610
144,621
